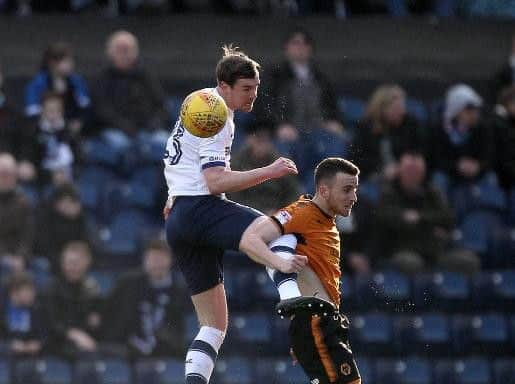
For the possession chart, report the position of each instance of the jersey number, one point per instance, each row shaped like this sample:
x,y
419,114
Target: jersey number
x,y
178,132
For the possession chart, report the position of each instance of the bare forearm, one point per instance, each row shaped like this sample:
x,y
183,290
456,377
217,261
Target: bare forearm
x,y
233,181
258,251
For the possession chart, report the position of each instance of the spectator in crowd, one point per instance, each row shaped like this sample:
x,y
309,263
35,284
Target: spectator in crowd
x,y
259,151
461,148
24,323
128,100
385,133
503,127
15,135
74,303
60,221
505,76
17,226
53,149
58,75
298,92
146,308
414,224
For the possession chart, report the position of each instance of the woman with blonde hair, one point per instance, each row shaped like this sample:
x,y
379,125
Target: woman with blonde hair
x,y
385,132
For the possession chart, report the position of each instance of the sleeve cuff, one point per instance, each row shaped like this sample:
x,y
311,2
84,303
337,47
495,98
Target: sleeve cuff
x,y
281,228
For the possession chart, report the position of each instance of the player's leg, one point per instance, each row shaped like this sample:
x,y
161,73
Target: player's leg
x,y
321,346
287,284
211,309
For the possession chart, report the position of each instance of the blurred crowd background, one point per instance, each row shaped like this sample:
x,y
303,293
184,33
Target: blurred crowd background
x,y
419,94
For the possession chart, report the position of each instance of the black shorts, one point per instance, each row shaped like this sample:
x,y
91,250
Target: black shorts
x,y
321,346
199,229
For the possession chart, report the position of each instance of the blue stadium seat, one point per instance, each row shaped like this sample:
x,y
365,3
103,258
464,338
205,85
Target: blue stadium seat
x,y
173,106
404,371
504,371
485,194
93,181
42,371
105,280
484,333
192,327
477,229
428,333
372,334
109,371
369,190
125,232
501,252
417,109
5,372
30,192
250,332
466,371
233,370
280,345
159,371
265,291
347,302
446,291
512,332
352,108
279,371
96,152
494,290
512,206
366,370
389,290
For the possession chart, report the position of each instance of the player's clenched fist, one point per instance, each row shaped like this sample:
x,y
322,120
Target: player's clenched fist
x,y
294,264
282,167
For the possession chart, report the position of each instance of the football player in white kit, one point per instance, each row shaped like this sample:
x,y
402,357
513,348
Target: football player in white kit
x,y
201,223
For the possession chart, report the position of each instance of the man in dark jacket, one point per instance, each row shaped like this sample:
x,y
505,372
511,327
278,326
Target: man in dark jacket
x,y
414,223
299,93
74,303
503,127
146,308
127,98
17,226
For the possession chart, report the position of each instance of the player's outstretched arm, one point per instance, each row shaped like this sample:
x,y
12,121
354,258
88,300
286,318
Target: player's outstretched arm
x,y
254,243
221,180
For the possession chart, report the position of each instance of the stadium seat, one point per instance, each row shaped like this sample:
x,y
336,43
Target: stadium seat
x,y
512,332
445,291
366,370
347,302
233,370
5,372
504,371
482,334
280,340
159,371
372,334
352,109
42,371
265,291
404,371
105,280
93,181
251,332
124,234
511,213
417,109
494,290
109,371
477,229
279,371
501,252
173,106
483,195
389,290
466,371
428,333
192,327
97,152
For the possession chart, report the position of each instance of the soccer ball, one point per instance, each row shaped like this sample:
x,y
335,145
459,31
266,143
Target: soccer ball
x,y
203,113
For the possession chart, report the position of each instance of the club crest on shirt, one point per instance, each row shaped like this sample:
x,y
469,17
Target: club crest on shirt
x,y
283,217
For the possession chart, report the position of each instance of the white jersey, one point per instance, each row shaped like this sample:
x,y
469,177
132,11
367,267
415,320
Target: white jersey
x,y
187,156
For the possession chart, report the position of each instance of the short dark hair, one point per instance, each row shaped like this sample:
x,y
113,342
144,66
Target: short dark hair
x,y
329,167
308,39
235,65
56,52
18,281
